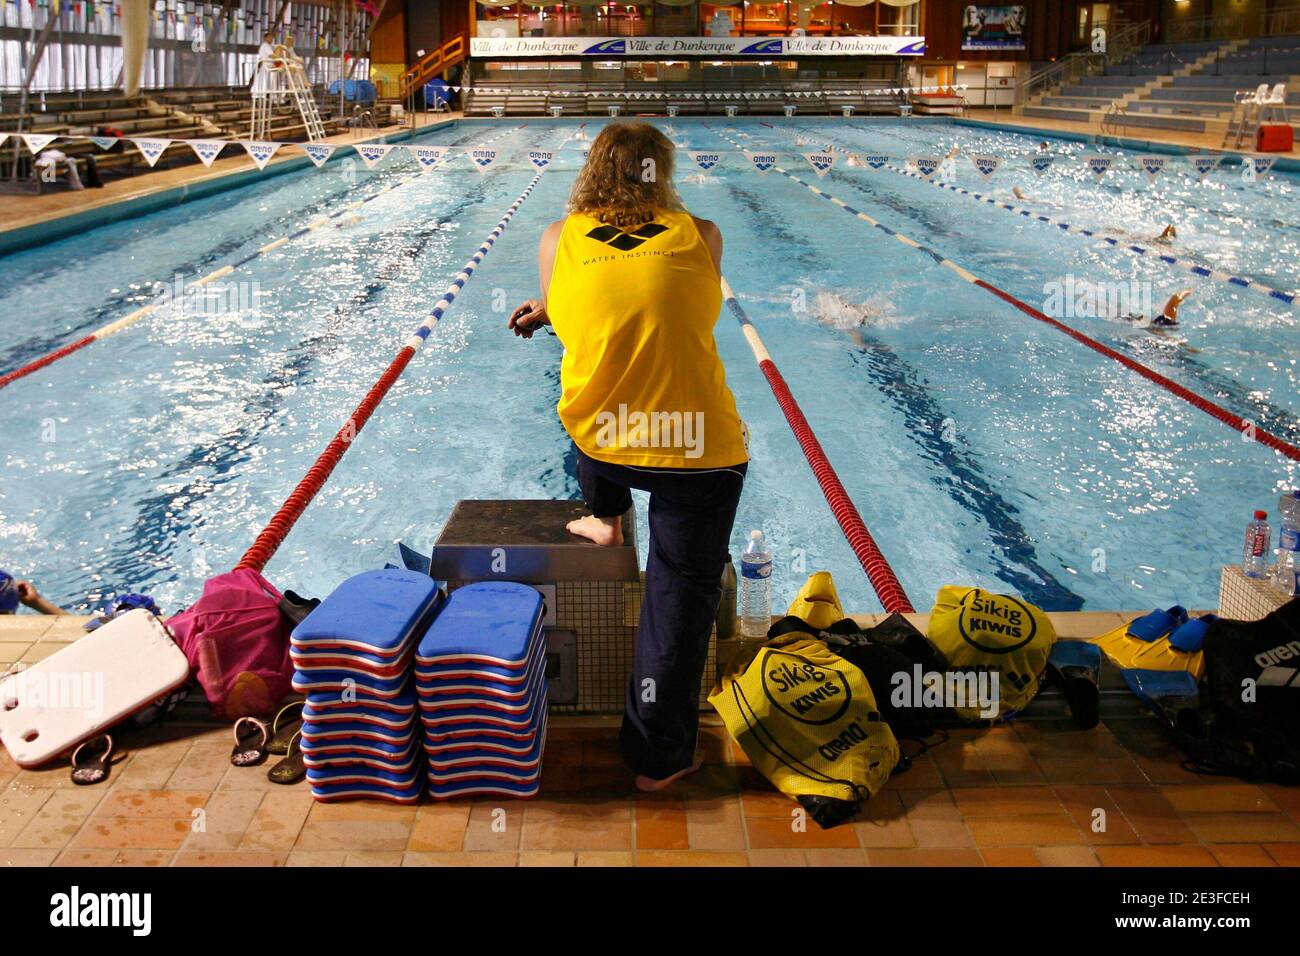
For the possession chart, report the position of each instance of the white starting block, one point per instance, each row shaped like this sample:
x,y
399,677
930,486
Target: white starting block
x,y
789,109
614,109
498,112
557,110
730,109
846,110
905,109
673,109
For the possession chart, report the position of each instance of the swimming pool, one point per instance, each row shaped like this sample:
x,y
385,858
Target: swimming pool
x,y
981,447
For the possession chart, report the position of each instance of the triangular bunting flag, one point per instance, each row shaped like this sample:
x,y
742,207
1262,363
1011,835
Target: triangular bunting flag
x,y
372,154
104,142
820,162
1153,166
482,158
927,166
1262,164
761,161
1041,163
705,161
207,149
260,152
318,153
1204,165
986,166
1099,166
151,148
37,141
428,156
875,160
541,158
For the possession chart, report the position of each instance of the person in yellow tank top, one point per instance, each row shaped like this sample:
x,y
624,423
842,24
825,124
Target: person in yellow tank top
x,y
630,285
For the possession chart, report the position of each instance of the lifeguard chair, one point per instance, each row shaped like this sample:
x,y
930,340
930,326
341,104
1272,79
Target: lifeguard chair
x,y
279,76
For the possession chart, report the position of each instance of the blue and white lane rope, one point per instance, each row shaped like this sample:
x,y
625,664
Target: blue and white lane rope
x,y
131,318
1178,262
1246,428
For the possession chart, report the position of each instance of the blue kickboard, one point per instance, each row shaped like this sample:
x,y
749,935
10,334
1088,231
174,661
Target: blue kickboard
x,y
330,704
377,612
466,759
497,622
361,791
336,681
382,778
341,730
490,690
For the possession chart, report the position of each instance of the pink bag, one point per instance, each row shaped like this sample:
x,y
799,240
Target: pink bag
x,y
237,641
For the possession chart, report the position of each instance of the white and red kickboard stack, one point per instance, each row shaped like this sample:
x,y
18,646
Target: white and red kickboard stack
x,y
352,657
480,680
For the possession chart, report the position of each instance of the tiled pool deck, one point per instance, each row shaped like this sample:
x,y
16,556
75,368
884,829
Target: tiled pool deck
x,y
1024,794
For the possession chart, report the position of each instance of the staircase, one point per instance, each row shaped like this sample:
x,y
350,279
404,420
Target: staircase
x,y
450,54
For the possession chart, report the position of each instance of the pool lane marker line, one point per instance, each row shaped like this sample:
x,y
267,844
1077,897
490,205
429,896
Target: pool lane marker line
x,y
887,587
1178,262
1246,428
131,318
273,535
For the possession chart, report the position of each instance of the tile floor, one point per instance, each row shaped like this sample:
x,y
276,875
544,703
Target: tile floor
x,y
1035,793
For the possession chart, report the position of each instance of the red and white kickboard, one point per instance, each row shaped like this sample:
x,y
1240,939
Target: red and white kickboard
x,y
106,676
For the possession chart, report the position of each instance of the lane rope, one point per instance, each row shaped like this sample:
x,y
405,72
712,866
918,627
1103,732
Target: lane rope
x,y
277,529
883,580
126,321
1247,428
1190,266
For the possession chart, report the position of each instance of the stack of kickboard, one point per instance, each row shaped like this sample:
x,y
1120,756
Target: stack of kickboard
x,y
480,678
352,658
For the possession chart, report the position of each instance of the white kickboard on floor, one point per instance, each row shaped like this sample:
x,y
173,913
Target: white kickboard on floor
x,y
91,684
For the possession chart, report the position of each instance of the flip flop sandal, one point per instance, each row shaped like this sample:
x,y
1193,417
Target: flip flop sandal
x,y
251,737
92,760
292,768
284,726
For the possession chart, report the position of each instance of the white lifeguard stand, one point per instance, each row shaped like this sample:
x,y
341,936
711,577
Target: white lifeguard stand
x,y
280,76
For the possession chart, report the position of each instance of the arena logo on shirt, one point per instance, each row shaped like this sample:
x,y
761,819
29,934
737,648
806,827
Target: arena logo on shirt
x,y
634,429
626,241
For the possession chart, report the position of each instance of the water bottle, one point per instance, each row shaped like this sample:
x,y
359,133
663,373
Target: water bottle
x,y
726,617
1254,556
1288,544
755,588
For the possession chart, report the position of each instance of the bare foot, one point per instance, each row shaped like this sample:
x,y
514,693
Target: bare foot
x,y
606,532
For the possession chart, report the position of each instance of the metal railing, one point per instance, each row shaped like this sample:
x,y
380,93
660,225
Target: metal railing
x,y
1123,42
1232,26
1282,22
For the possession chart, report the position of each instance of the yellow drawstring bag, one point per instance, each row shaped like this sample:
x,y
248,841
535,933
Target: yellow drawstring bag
x,y
808,722
986,633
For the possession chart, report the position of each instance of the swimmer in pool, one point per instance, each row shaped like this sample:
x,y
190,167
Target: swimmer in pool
x,y
1168,236
1168,317
14,592
1020,194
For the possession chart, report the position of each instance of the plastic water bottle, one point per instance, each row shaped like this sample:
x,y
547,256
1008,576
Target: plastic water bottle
x,y
755,588
1288,544
1254,556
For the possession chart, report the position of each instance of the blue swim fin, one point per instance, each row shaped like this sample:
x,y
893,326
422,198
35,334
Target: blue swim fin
x,y
1157,624
1189,637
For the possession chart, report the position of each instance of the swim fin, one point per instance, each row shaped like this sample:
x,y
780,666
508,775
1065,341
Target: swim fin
x,y
1149,650
1076,666
817,603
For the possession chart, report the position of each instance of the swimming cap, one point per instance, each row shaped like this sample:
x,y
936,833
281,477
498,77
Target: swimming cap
x,y
8,593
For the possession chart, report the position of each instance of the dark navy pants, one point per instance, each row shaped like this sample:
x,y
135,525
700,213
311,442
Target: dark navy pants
x,y
691,514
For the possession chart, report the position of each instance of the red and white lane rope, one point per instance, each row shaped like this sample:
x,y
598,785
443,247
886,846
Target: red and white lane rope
x,y
882,577
273,535
1246,428
132,318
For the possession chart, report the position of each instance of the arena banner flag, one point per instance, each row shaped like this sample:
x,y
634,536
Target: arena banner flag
x,y
820,162
428,156
37,141
208,150
1041,164
993,27
1262,164
541,158
1204,165
372,154
876,160
103,142
761,161
482,158
927,166
260,152
1153,166
318,153
986,166
151,148
1099,166
705,160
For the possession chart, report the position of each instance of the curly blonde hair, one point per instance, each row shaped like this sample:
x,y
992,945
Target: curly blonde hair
x,y
628,175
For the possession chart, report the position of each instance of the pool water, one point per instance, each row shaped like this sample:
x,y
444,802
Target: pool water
x,y
981,447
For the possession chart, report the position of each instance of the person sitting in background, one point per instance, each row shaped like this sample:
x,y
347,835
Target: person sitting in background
x,y
13,593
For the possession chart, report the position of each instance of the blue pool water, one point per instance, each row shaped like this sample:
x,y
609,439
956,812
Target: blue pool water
x,y
981,447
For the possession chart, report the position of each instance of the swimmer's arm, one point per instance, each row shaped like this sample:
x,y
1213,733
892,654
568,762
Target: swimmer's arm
x,y
712,237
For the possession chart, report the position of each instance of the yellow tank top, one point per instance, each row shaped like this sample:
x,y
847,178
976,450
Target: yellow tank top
x,y
641,381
